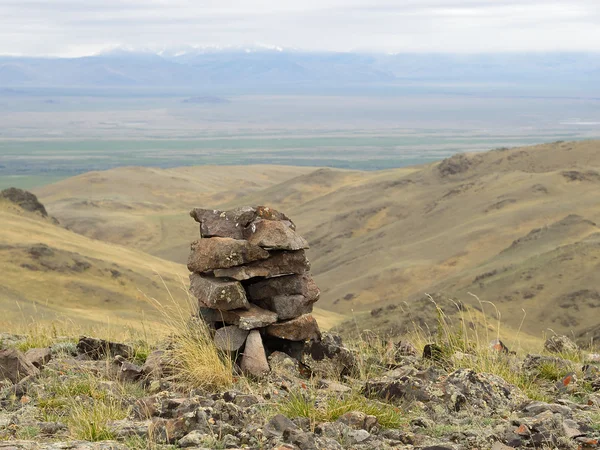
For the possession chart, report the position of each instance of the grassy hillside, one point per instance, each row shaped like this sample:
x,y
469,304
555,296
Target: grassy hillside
x,y
50,273
146,208
516,227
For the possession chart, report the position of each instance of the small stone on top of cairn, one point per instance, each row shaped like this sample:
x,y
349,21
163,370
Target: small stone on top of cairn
x,y
251,277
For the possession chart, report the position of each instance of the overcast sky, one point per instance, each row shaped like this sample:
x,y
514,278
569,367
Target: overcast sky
x,y
82,27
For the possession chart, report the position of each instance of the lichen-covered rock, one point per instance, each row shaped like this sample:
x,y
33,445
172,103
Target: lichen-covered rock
x,y
222,253
216,293
274,235
301,328
228,224
465,388
231,224
560,344
279,263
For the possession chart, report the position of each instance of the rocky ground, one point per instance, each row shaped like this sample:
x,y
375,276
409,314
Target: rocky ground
x,y
88,393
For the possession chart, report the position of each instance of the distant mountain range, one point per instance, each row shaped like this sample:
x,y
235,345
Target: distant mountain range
x,y
574,73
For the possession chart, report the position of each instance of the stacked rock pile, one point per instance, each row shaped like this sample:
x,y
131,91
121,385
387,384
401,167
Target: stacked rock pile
x,y
251,277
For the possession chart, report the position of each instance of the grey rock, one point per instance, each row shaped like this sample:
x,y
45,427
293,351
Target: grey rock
x,y
222,253
194,438
274,235
358,436
230,338
289,296
126,428
39,357
277,425
304,440
254,359
216,293
279,263
14,366
288,306
482,391
284,285
560,344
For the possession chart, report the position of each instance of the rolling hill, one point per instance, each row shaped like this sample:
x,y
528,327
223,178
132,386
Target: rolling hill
x,y
516,227
51,273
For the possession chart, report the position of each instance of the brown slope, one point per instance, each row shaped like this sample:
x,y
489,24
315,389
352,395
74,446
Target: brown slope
x,y
146,208
390,237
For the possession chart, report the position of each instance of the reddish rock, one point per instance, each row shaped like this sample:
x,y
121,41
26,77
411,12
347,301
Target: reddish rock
x,y
264,212
254,359
279,263
14,366
217,293
274,235
300,329
221,253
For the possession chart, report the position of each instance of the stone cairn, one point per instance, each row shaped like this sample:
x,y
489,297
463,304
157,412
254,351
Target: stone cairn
x,y
251,277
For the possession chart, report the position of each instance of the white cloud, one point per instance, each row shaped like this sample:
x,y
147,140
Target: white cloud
x,y
76,27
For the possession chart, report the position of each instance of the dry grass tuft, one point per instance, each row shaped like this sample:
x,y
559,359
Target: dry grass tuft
x,y
196,361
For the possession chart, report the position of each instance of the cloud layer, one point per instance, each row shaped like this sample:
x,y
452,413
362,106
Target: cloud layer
x,y
82,27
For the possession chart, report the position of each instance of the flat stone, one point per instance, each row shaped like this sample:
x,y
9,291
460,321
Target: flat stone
x,y
286,285
222,253
560,344
299,329
274,235
279,263
246,319
229,224
254,359
230,338
14,366
39,357
217,293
